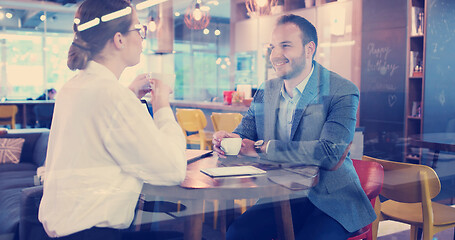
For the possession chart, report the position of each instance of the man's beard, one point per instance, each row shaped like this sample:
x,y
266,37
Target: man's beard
x,y
296,69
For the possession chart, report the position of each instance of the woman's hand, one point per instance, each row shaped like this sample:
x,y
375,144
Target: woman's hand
x,y
159,94
141,85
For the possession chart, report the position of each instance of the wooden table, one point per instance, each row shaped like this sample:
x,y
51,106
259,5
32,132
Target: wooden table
x,y
23,105
198,187
436,142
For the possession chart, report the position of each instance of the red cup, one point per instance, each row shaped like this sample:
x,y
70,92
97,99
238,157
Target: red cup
x,y
227,97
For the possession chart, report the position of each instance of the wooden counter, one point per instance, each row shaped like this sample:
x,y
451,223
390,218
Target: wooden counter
x,y
213,106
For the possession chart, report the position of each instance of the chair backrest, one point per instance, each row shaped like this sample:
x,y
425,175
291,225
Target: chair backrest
x,y
226,121
403,181
8,115
371,175
191,120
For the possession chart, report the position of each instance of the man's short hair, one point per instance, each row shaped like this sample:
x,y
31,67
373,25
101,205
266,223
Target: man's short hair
x,y
308,30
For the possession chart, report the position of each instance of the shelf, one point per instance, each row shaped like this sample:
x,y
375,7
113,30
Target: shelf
x,y
413,158
414,118
415,81
417,3
417,37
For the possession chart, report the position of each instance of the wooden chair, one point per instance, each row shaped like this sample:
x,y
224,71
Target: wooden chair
x,y
371,175
8,115
193,120
225,121
410,188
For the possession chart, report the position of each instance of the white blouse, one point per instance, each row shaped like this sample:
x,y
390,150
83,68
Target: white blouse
x,y
103,146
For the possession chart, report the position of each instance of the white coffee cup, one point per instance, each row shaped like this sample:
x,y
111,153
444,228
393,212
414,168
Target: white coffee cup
x,y
231,146
167,78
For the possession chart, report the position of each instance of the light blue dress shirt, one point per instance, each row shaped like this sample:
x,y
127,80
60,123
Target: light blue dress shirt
x,y
287,108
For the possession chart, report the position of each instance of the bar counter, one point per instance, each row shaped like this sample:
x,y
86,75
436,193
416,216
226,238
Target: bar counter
x,y
214,106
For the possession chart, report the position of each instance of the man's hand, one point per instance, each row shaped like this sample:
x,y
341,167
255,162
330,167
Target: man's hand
x,y
248,148
217,137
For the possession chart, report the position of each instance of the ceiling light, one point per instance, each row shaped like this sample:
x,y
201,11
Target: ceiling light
x,y
259,7
116,14
217,32
9,15
177,14
206,31
42,18
195,18
149,3
152,25
88,24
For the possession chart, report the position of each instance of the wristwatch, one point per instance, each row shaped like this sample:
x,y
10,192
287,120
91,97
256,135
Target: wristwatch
x,y
258,145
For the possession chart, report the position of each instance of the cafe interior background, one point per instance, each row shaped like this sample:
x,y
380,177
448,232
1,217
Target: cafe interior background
x,y
398,52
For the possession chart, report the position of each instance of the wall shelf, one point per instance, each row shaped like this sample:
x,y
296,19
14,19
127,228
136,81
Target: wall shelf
x,y
415,79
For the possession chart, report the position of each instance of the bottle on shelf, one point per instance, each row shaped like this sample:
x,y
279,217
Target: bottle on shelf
x,y
418,70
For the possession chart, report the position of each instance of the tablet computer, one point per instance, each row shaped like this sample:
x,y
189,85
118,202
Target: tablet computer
x,y
233,171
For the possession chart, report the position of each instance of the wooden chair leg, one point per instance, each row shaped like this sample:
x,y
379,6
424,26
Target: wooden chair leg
x,y
203,211
414,232
375,223
216,205
242,204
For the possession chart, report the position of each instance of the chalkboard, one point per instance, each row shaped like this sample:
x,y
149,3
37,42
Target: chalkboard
x,y
439,66
383,14
383,75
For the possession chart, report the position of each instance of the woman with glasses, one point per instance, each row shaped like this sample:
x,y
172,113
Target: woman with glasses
x,y
103,143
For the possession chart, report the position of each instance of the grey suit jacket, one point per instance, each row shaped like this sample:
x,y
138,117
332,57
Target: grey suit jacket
x,y
323,126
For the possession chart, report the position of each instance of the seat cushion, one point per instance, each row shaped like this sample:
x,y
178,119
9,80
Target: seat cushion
x,y
16,179
195,138
8,167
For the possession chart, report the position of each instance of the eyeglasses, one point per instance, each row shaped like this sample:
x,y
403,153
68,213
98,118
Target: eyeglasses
x,y
141,29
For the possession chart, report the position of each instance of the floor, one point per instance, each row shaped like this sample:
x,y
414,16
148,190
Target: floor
x,y
388,230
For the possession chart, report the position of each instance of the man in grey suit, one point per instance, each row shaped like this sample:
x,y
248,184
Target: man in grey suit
x,y
306,116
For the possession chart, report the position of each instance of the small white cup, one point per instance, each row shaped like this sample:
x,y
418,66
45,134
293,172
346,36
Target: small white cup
x,y
231,146
167,78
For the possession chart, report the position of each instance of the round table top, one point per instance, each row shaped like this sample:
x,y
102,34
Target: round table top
x,y
198,185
